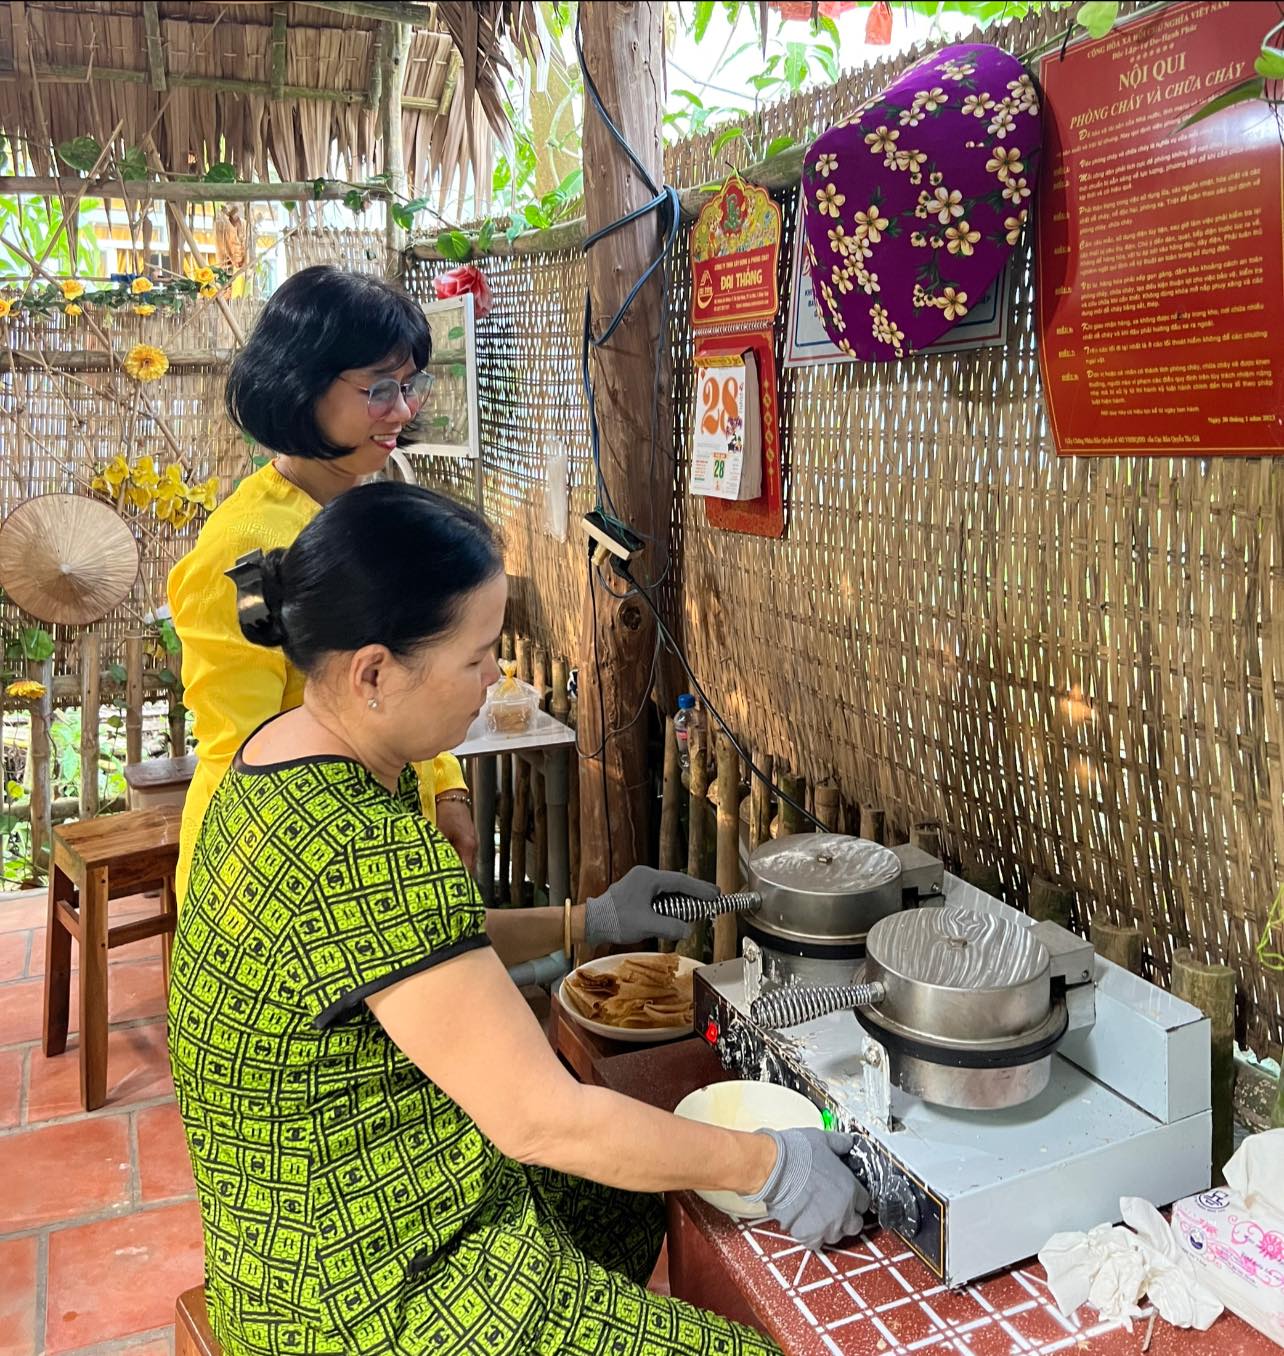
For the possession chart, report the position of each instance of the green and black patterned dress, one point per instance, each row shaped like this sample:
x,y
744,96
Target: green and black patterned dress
x,y
349,1206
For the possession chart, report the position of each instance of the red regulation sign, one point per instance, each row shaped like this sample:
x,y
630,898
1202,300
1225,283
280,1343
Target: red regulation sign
x,y
1160,256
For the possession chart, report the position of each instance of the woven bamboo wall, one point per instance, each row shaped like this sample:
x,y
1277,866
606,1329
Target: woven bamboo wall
x,y
1076,666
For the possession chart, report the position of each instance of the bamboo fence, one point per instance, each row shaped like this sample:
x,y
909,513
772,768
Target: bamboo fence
x,y
1073,668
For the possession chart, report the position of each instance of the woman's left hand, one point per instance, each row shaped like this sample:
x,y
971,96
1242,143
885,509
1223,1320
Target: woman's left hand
x,y
455,820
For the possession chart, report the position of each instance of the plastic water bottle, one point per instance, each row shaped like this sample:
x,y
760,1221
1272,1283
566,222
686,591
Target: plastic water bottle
x,y
687,719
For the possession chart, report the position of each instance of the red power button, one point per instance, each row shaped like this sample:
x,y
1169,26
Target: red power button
x,y
711,1032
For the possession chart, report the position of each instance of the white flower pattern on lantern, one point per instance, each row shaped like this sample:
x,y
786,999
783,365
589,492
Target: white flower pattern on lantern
x,y
882,140
829,200
860,249
953,303
936,177
842,280
870,225
839,241
1014,226
911,117
845,346
1002,122
956,70
868,282
1025,94
978,105
1005,161
826,164
961,237
918,239
1015,190
932,99
947,203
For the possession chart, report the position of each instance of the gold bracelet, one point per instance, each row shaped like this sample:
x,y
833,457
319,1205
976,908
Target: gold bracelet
x,y
566,929
455,794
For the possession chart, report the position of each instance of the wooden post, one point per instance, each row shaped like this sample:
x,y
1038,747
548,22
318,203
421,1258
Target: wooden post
x,y
396,48
1050,902
1277,1111
985,877
506,760
539,800
521,793
828,803
134,698
760,804
41,773
697,829
926,834
724,926
177,726
796,789
1119,944
624,55
573,804
873,823
90,702
670,804
1211,988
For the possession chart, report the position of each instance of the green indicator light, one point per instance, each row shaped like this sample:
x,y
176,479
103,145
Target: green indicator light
x,y
827,1118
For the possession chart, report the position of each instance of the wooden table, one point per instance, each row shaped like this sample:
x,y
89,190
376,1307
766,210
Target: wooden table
x,y
872,1297
544,745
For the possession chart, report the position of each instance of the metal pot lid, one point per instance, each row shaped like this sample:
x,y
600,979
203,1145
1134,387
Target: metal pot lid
x,y
957,975
824,886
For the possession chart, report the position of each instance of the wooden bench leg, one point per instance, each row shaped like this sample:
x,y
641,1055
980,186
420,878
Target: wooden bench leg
x,y
93,990
57,966
169,907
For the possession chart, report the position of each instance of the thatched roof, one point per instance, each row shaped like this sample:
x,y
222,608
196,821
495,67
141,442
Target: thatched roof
x,y
288,88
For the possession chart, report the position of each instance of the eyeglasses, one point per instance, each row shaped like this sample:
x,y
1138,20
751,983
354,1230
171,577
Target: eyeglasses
x,y
382,397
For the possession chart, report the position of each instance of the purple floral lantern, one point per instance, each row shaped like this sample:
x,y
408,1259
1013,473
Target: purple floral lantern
x,y
913,204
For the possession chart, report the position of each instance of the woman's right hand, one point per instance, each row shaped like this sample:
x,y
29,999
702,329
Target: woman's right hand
x,y
811,1191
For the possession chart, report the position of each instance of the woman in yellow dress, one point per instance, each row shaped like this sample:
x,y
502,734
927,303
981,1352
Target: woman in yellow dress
x,y
330,375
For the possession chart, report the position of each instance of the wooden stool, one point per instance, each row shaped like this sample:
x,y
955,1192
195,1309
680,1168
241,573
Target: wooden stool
x,y
95,861
159,781
192,1335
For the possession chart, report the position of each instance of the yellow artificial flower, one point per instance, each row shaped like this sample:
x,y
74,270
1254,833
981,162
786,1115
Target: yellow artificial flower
x,y
208,290
145,309
205,496
5,307
170,492
139,286
26,690
99,485
117,473
204,276
137,497
73,309
72,288
181,516
143,473
143,362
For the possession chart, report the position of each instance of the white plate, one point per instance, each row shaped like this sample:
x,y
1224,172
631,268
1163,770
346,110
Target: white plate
x,y
747,1106
643,1035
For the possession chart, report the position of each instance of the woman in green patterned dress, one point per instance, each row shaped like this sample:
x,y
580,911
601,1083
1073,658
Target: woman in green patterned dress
x,y
389,1157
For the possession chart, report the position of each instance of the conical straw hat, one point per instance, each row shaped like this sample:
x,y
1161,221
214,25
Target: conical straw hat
x,y
65,558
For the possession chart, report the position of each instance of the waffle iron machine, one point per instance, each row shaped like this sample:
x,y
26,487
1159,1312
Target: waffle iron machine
x,y
1003,1081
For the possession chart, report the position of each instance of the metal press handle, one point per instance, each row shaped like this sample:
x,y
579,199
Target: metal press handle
x,y
804,1002
689,909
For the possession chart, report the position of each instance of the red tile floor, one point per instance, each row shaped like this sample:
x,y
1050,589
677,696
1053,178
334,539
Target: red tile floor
x,y
99,1228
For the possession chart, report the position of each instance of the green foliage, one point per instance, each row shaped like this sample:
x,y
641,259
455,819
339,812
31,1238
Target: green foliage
x,y
81,153
171,295
221,172
1270,64
1097,17
1252,88
33,223
454,245
132,166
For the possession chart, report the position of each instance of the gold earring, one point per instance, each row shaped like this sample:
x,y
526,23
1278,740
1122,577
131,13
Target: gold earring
x,y
373,703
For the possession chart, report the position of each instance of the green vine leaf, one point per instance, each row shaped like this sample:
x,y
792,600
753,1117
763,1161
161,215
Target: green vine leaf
x,y
454,245
1252,88
221,172
1097,17
1270,65
81,153
132,166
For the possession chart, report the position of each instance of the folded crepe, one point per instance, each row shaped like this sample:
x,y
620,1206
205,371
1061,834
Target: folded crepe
x,y
639,993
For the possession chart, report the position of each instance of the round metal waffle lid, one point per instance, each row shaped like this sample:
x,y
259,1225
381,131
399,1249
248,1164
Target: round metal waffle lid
x,y
823,865
959,949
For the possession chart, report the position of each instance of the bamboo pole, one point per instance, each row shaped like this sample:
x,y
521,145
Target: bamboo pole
x,y
760,804
280,52
1121,944
90,702
134,698
539,798
95,360
728,871
396,48
670,803
189,190
521,793
828,803
41,773
789,820
1211,988
502,886
873,823
573,804
63,809
697,830
1050,902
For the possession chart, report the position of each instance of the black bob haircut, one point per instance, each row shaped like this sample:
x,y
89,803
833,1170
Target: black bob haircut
x,y
381,564
318,323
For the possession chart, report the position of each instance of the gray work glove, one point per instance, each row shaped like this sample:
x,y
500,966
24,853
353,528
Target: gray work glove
x,y
624,912
811,1191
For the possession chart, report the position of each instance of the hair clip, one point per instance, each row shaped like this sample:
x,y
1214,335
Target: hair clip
x,y
251,603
